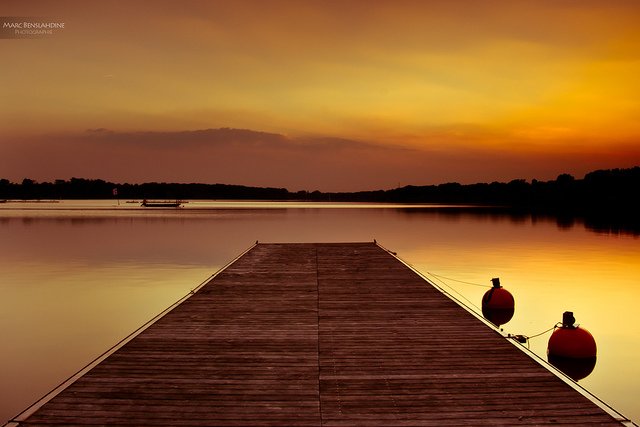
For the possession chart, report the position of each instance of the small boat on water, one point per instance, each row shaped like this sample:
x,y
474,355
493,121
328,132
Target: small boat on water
x,y
148,204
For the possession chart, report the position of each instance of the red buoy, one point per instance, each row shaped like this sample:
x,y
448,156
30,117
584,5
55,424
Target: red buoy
x,y
572,349
498,304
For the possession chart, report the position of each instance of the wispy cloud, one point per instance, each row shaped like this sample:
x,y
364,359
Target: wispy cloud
x,y
223,138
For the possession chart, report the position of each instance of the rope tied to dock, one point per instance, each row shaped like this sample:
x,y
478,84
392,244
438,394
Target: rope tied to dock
x,y
458,281
557,325
435,277
522,338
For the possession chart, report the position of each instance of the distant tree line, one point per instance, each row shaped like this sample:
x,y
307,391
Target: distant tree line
x,y
600,190
79,188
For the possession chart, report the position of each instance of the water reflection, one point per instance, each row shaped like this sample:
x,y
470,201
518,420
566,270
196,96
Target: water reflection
x,y
629,225
619,223
576,369
596,220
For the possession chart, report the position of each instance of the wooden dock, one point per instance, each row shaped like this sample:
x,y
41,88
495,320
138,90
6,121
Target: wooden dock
x,y
319,335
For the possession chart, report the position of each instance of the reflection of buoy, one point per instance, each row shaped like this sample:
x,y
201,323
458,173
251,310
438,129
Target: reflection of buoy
x,y
572,349
498,304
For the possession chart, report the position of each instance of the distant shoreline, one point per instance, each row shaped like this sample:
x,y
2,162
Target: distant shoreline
x,y
601,190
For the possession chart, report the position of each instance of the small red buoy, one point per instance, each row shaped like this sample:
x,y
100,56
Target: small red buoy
x,y
572,349
498,304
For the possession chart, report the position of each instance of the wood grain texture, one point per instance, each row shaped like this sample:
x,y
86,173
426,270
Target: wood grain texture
x,y
318,334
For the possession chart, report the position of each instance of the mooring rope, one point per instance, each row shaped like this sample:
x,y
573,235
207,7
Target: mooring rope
x,y
478,309
522,338
470,306
544,332
459,281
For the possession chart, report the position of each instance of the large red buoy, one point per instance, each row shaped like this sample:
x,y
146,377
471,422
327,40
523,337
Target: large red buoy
x,y
498,304
572,349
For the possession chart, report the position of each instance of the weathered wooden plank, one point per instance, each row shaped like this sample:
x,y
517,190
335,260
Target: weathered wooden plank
x,y
318,334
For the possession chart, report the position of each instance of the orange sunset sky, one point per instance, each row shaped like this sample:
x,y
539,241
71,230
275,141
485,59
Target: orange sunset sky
x,y
328,95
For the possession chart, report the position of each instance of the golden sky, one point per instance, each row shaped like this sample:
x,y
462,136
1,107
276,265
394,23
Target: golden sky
x,y
355,94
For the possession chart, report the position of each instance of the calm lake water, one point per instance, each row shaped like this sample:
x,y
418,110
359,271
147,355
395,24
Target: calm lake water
x,y
78,276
